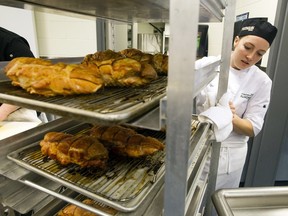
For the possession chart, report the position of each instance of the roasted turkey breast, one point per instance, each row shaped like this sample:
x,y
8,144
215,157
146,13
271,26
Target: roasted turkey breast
x,y
129,68
86,151
73,210
125,141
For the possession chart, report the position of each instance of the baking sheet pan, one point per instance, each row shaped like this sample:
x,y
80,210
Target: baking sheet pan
x,y
123,186
107,105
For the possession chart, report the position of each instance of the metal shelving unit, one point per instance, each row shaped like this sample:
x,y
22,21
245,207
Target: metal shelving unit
x,y
180,87
183,191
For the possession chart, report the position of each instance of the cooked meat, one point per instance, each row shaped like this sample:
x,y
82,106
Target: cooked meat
x,y
86,151
125,141
106,57
135,54
73,210
158,61
129,67
56,145
117,69
126,72
40,76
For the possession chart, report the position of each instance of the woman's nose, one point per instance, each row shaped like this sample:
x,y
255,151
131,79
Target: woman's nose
x,y
251,56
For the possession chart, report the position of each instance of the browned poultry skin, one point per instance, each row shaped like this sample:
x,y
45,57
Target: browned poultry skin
x,y
68,211
83,150
51,141
73,210
122,137
39,76
88,152
116,69
63,151
158,61
127,68
126,142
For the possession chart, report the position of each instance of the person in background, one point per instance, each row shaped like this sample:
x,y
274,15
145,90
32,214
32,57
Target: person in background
x,y
13,45
249,96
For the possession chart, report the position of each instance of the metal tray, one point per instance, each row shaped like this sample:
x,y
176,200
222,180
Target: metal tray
x,y
108,105
123,186
252,201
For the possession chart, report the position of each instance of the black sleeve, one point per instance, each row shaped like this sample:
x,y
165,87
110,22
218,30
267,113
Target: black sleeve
x,y
18,48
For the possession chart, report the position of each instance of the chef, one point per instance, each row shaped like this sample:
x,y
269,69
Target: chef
x,y
249,96
12,46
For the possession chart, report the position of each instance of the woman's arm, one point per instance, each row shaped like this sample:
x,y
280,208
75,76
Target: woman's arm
x,y
241,126
5,110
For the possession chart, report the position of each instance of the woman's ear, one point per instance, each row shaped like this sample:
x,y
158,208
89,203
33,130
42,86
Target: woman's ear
x,y
235,42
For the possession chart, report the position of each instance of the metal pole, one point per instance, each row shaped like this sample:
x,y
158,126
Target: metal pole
x,y
226,46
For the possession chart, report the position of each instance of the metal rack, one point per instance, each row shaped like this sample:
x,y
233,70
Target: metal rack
x,y
181,181
180,86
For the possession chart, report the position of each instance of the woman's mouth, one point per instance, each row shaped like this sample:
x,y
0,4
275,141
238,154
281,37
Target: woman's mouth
x,y
245,62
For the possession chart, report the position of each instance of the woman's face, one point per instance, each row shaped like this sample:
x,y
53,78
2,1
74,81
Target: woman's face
x,y
248,50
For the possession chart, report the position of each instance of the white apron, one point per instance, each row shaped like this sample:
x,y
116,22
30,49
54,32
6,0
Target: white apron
x,y
230,167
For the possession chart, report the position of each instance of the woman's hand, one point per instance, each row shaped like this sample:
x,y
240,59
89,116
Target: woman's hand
x,y
241,126
5,110
232,108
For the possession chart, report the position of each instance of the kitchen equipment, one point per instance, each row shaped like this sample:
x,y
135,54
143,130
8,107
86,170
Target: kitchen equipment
x,y
108,105
252,201
123,186
181,73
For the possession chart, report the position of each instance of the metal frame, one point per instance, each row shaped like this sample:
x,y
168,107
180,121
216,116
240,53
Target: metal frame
x,y
180,86
181,82
226,45
100,34
184,18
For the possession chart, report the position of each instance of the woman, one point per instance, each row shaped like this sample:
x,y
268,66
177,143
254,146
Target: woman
x,y
249,92
12,46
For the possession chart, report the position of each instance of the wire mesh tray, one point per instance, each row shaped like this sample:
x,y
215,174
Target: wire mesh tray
x,y
107,105
123,185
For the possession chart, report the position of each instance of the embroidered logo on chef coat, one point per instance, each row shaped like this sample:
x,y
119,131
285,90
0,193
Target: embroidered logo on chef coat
x,y
246,96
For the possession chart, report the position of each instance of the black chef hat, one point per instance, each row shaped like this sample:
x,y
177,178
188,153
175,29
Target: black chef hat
x,y
258,27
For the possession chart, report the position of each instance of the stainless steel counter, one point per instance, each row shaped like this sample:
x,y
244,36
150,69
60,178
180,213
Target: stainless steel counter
x,y
256,201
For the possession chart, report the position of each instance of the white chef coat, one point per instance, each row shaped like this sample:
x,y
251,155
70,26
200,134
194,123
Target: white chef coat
x,y
249,90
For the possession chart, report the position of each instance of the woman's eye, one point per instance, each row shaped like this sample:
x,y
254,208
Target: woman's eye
x,y
260,54
247,47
